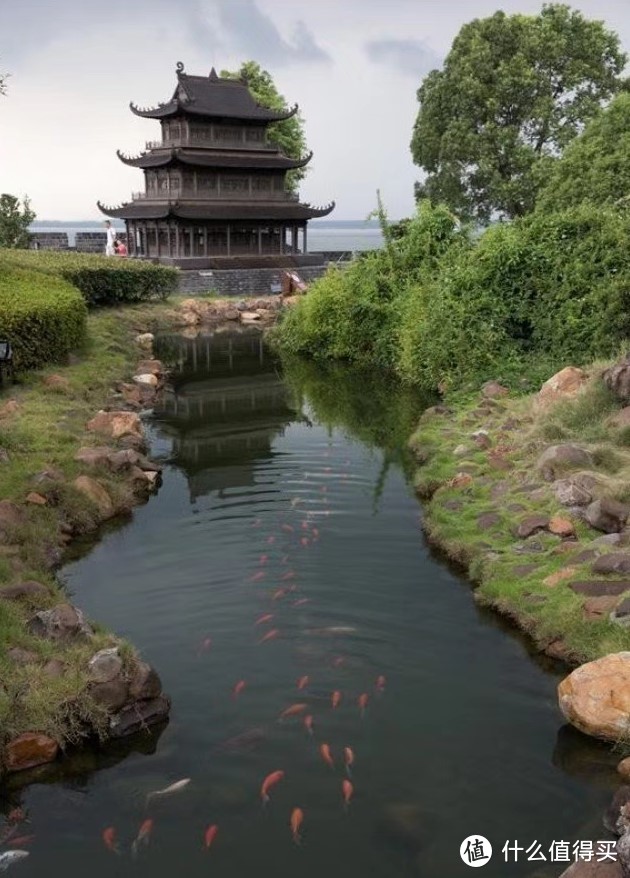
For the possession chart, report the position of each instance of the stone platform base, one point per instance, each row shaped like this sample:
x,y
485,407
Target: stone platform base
x,y
242,282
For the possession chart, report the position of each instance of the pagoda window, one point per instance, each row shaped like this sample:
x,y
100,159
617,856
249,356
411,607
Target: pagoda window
x,y
176,131
188,181
152,182
225,133
200,133
166,131
206,182
261,184
278,184
255,135
235,184
175,181
162,181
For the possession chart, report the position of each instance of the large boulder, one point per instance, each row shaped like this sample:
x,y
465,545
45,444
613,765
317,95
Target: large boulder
x,y
112,694
30,749
607,515
575,490
138,715
615,562
96,493
62,623
595,698
105,665
115,425
563,385
558,458
144,682
617,379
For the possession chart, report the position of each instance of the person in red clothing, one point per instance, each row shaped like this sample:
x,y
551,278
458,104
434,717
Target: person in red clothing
x,y
120,248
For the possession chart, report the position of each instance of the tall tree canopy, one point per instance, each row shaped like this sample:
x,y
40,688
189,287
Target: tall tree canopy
x,y
596,166
15,218
289,134
513,92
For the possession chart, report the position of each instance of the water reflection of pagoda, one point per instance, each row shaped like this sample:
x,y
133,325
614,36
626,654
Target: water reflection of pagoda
x,y
224,406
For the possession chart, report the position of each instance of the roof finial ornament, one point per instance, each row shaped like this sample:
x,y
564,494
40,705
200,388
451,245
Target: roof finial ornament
x,y
213,75
179,67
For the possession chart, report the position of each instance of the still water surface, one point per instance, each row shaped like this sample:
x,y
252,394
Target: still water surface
x,y
298,482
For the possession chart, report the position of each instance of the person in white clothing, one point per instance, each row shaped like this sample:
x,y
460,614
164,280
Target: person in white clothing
x,y
110,250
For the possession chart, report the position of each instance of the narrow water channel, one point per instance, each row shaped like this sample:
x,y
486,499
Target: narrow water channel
x,y
288,495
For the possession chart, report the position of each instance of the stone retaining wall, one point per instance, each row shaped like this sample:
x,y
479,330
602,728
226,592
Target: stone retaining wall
x,y
49,241
241,282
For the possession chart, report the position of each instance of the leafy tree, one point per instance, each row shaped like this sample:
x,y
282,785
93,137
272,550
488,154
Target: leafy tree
x,y
3,83
513,93
596,166
288,134
15,218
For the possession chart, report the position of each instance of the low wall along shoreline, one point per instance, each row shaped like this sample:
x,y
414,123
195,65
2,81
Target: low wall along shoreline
x,y
238,281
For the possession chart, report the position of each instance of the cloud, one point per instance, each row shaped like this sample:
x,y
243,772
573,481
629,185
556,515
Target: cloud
x,y
410,57
257,37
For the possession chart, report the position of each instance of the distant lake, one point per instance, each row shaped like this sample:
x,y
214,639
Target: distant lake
x,y
325,236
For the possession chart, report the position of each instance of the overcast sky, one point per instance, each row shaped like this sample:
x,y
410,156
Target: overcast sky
x,y
352,66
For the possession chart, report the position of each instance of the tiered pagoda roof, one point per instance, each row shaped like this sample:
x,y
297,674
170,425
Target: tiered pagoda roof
x,y
223,210
245,159
213,97
214,184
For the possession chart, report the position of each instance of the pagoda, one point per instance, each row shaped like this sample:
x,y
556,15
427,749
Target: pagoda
x,y
214,185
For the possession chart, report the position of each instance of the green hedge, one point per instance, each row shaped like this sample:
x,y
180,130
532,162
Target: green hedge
x,y
43,316
102,280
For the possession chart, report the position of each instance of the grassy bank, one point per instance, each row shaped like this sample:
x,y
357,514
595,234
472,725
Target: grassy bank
x,y
42,425
481,487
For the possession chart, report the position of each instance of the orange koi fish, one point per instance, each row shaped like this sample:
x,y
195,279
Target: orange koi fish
x,y
300,602
315,533
346,790
297,818
238,688
261,620
305,525
288,528
348,756
335,699
271,540
294,710
304,541
109,838
362,701
279,593
308,723
302,682
290,574
324,749
257,576
338,661
263,559
270,635
210,835
270,781
144,833
380,683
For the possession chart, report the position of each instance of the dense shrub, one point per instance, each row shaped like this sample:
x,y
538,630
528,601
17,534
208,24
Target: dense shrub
x,y
544,291
43,316
102,280
355,313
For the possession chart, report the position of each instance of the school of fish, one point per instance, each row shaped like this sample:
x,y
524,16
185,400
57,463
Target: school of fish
x,y
301,712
